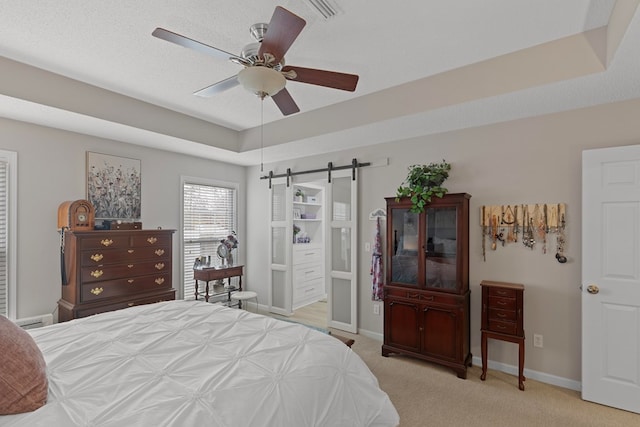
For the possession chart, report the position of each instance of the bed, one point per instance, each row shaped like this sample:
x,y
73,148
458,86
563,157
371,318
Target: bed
x,y
191,363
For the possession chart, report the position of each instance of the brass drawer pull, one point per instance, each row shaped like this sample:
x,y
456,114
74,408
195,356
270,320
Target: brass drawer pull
x,y
160,280
97,291
412,295
130,281
159,252
97,257
152,240
106,242
502,292
501,315
130,265
160,265
131,304
130,251
97,273
501,302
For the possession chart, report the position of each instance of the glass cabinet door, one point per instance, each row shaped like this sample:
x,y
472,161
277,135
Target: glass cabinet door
x,y
405,251
441,248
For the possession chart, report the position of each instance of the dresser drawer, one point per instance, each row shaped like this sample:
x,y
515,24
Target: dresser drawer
x,y
150,240
121,287
105,241
502,303
503,315
310,291
304,255
508,328
307,272
502,292
164,296
116,256
119,271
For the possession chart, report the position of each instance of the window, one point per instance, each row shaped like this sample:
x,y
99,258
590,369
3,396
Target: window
x,y
209,215
8,213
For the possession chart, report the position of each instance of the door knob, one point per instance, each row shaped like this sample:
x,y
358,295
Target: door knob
x,y
593,289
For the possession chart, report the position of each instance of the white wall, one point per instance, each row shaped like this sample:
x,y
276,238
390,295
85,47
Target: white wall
x,y
534,160
51,169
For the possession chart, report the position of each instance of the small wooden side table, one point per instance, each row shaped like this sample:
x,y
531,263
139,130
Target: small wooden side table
x,y
209,274
502,319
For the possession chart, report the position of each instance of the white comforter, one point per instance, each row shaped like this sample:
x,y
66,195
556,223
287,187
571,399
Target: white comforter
x,y
189,363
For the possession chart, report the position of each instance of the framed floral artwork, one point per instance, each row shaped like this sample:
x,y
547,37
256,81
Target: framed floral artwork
x,y
113,186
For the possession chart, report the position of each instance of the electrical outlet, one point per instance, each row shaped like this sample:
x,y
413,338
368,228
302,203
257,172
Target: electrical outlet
x,y
367,246
376,309
537,340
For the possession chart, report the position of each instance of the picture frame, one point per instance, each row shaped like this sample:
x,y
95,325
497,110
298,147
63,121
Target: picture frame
x,y
114,186
297,213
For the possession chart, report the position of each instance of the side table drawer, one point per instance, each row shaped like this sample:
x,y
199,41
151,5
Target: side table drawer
x,y
502,315
508,328
502,303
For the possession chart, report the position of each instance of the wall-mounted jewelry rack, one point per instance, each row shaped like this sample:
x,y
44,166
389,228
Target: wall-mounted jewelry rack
x,y
530,224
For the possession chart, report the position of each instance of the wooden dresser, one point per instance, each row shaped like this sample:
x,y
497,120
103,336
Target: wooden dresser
x,y
502,319
110,270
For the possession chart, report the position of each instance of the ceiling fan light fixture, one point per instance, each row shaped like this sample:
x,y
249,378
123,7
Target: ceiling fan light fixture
x,y
262,81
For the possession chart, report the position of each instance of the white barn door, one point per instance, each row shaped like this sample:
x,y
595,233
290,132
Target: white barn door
x,y
342,254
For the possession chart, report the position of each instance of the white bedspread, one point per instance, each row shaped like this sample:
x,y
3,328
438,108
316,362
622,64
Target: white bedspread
x,y
189,363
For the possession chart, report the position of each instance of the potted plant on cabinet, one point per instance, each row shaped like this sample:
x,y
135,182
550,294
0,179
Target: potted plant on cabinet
x,y
422,183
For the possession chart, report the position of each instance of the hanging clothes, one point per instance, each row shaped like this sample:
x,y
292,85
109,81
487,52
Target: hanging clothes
x,y
376,265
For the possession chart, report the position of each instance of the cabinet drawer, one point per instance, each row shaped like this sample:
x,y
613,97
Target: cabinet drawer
x,y
495,291
308,291
426,297
150,240
115,256
122,287
502,303
164,296
120,271
303,274
509,328
110,241
302,255
503,315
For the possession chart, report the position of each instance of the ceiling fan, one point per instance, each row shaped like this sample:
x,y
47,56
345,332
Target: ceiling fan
x,y
265,72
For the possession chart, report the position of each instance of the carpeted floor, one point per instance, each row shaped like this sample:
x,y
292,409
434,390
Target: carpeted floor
x,y
426,394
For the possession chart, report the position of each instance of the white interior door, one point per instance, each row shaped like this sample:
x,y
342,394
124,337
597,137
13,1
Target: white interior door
x,y
280,239
342,257
611,277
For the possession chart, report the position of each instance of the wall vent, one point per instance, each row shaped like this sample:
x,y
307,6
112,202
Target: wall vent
x,y
324,7
35,322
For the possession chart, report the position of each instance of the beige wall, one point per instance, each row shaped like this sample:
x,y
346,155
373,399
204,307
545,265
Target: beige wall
x,y
527,161
51,169
534,160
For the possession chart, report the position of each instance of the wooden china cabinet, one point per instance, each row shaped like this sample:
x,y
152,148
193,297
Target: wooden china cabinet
x,y
426,291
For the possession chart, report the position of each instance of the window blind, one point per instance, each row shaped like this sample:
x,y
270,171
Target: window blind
x,y
209,216
4,282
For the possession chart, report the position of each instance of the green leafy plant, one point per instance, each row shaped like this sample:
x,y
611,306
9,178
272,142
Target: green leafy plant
x,y
422,183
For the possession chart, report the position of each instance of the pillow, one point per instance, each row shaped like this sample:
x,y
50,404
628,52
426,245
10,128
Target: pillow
x,y
23,372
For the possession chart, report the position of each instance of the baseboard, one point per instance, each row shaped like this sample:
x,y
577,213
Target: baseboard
x,y
529,373
503,367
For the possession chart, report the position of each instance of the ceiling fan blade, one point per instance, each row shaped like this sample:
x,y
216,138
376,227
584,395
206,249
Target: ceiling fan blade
x,y
219,87
283,29
330,79
183,41
285,102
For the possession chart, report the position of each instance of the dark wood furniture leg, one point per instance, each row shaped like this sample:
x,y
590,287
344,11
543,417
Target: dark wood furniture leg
x,y
484,356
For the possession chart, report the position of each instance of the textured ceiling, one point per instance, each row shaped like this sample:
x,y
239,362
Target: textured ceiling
x,y
417,61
